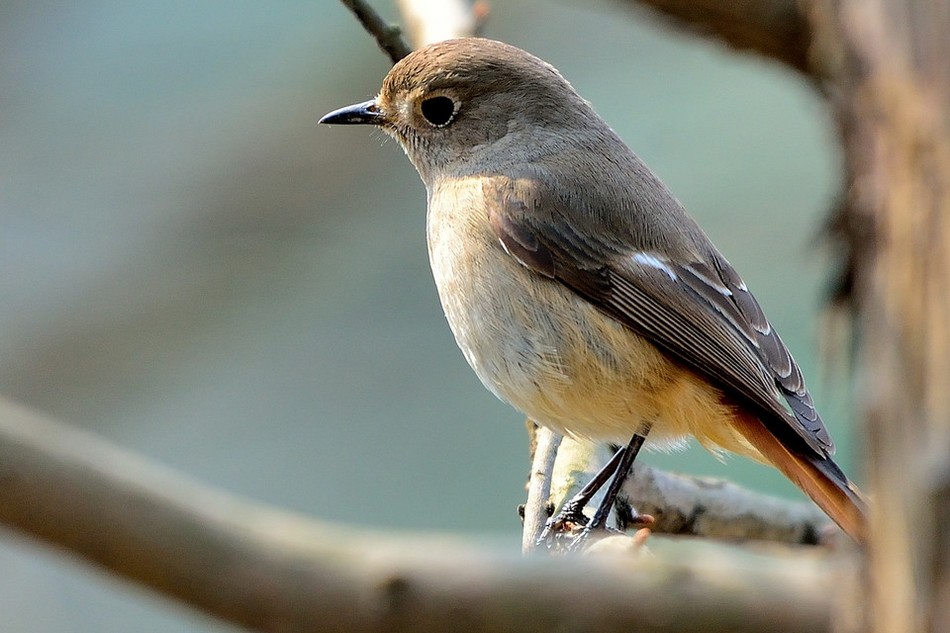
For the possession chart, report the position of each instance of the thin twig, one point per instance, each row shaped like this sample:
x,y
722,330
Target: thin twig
x,y
539,487
388,36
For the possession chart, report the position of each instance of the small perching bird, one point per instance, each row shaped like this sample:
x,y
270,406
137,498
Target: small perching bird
x,y
576,285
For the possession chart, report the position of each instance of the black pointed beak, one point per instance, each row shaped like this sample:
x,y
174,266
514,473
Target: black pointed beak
x,y
366,113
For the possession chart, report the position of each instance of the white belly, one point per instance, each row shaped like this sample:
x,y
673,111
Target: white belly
x,y
552,355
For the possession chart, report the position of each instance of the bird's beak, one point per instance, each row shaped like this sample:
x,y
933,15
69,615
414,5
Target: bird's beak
x,y
366,113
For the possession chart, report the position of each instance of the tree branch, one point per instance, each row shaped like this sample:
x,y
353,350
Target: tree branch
x,y
889,89
775,28
544,452
696,506
702,506
387,36
273,571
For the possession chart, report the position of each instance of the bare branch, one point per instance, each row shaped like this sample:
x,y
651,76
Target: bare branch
x,y
696,506
273,571
428,20
775,28
388,36
703,506
546,443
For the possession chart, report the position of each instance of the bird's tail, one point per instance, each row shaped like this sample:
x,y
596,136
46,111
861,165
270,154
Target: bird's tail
x,y
820,478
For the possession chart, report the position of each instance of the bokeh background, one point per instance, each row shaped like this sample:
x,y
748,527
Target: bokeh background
x,y
191,267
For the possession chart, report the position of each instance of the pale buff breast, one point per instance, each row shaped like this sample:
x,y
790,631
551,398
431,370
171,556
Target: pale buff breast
x,y
552,355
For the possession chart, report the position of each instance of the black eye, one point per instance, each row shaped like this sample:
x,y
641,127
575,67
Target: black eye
x,y
439,111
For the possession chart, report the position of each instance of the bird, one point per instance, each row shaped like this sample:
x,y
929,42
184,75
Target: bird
x,y
577,286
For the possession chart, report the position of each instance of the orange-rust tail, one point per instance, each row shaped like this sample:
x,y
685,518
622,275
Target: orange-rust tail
x,y
820,478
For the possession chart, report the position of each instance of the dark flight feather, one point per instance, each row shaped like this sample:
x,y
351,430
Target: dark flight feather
x,y
699,312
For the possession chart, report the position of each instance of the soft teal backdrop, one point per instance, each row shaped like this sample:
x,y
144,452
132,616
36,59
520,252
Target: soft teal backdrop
x,y
192,268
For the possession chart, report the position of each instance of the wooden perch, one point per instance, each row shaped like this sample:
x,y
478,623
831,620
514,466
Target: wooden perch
x,y
717,508
273,571
681,504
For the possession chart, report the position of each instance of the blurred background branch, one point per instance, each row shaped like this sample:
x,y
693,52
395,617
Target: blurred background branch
x,y
273,571
776,29
387,36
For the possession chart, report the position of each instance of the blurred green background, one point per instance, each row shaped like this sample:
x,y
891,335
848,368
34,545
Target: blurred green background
x,y
191,267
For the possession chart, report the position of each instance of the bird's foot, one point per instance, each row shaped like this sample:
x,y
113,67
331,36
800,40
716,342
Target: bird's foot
x,y
582,537
571,530
567,521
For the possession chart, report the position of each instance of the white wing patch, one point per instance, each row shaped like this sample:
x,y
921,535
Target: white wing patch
x,y
713,283
652,261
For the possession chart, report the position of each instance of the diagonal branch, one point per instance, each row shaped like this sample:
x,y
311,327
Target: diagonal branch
x,y
387,36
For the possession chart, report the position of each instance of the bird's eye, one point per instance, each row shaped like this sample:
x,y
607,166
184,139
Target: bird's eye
x,y
439,111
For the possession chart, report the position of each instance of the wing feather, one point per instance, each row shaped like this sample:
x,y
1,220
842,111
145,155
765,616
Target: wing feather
x,y
698,309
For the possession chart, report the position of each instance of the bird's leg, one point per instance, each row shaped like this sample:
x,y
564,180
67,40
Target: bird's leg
x,y
572,511
623,469
628,455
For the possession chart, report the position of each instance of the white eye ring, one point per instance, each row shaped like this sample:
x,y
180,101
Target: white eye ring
x,y
439,111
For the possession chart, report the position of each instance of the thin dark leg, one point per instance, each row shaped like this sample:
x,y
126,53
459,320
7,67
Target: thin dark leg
x,y
572,511
629,454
